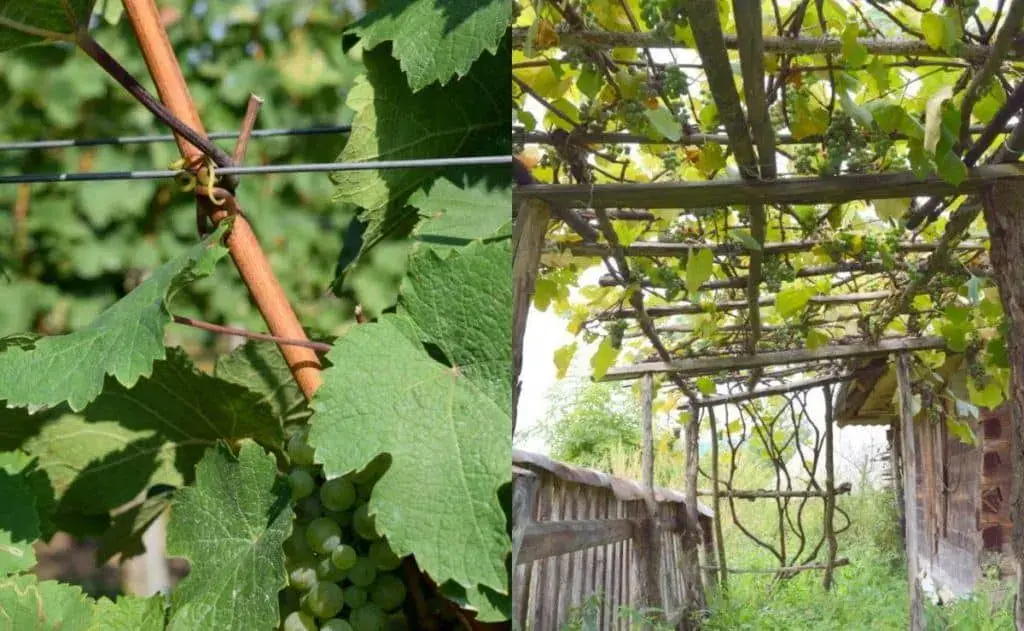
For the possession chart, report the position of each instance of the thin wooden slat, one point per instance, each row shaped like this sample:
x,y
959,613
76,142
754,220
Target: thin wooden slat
x,y
706,365
795,190
554,569
565,560
538,612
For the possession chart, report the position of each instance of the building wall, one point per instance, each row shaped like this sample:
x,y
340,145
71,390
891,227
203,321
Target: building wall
x,y
963,496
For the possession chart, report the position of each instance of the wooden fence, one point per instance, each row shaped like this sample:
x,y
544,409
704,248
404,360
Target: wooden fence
x,y
580,533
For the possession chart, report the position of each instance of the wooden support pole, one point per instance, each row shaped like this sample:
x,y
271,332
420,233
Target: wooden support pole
x,y
830,491
528,239
647,543
524,496
244,248
721,578
706,365
693,591
795,190
647,448
909,449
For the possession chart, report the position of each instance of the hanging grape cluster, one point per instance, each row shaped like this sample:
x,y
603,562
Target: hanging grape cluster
x,y
342,575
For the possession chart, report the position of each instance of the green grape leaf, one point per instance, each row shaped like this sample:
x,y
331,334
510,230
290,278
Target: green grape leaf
x,y
436,41
855,52
988,397
110,10
891,208
747,239
127,440
459,210
816,338
706,385
791,301
464,118
563,359
123,341
933,118
699,266
667,125
19,524
230,526
129,613
933,27
466,324
603,358
382,379
124,536
30,22
28,604
260,368
951,167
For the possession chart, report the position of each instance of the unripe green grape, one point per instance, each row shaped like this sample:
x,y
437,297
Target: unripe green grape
x,y
369,617
356,596
364,524
328,571
383,556
325,600
338,494
344,557
323,534
299,451
299,621
302,577
302,483
363,572
309,508
296,547
395,622
335,624
388,592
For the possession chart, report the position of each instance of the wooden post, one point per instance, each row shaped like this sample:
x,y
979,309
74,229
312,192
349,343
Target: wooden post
x,y
524,496
647,409
910,489
830,491
647,542
1003,206
528,239
719,576
693,593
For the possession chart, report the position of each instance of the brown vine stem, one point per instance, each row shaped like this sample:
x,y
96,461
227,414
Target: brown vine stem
x,y
245,249
187,135
250,335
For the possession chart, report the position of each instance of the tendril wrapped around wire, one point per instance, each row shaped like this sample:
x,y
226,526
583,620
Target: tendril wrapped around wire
x,y
191,173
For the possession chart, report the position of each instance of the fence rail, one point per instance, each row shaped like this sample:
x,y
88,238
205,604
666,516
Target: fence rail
x,y
581,534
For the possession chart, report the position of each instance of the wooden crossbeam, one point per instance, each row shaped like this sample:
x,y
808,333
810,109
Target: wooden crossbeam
x,y
793,568
796,190
707,365
690,308
552,538
727,399
766,494
667,249
791,45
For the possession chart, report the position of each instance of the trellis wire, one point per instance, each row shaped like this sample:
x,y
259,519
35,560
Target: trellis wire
x,y
40,178
156,138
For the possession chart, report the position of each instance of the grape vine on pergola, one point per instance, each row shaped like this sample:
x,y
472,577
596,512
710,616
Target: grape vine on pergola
x,y
778,191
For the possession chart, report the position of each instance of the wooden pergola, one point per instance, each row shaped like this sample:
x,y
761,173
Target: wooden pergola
x,y
755,354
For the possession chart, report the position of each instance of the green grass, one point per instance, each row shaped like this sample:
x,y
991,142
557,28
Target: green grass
x,y
869,594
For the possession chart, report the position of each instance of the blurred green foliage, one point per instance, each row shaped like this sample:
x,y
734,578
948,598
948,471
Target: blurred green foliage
x,y
70,250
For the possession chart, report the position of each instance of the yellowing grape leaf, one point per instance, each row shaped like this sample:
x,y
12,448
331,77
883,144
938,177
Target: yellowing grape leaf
x,y
603,358
699,266
563,358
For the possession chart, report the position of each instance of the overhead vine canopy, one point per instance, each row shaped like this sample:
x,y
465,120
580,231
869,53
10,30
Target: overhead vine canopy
x,y
774,188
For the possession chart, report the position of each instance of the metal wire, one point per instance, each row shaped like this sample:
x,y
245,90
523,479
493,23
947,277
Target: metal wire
x,y
40,178
138,140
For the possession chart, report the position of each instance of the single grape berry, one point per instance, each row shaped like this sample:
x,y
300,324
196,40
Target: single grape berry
x,y
302,577
383,557
363,572
369,617
335,624
326,570
296,546
356,596
323,535
299,621
388,592
302,483
344,557
299,451
338,494
325,600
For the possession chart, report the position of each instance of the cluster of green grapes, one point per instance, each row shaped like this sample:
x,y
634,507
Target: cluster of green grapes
x,y
840,143
661,14
674,82
341,572
775,270
631,111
